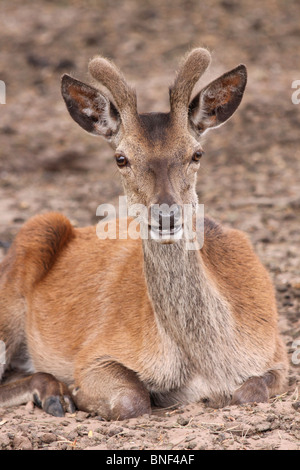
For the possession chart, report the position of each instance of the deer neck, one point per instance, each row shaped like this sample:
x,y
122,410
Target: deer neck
x,y
187,305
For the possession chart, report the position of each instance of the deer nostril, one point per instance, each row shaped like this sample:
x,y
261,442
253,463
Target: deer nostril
x,y
166,218
176,212
166,221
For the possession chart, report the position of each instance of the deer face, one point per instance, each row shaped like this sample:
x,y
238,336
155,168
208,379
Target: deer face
x,y
161,166
158,169
157,154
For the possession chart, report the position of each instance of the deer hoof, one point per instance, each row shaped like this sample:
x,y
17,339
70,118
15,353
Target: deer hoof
x,y
254,390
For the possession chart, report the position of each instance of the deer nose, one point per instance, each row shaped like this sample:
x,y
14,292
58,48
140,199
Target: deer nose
x,y
166,217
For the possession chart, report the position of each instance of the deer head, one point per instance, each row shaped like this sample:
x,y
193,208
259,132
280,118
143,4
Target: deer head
x,y
158,154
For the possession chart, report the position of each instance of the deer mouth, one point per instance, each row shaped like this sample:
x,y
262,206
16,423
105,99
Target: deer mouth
x,y
165,222
167,234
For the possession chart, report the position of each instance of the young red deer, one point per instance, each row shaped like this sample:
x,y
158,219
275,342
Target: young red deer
x,y
107,324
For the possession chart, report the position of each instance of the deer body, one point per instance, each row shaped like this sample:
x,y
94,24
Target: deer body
x,y
108,323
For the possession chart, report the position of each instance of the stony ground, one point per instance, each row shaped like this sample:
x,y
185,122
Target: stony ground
x,y
250,178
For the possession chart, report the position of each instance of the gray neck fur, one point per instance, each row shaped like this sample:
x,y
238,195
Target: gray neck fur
x,y
186,303
200,341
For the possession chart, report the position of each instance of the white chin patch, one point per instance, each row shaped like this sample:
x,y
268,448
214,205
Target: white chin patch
x,y
166,235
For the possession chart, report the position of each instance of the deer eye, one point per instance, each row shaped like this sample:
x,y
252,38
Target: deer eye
x,y
197,155
121,160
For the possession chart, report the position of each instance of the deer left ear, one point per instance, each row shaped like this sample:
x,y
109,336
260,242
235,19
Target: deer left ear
x,y
93,111
217,102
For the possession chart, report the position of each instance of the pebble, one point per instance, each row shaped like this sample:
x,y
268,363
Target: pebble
x,y
4,441
22,443
296,405
282,288
182,421
48,437
114,430
263,427
81,416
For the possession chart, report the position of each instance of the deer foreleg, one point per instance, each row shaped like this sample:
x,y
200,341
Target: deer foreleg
x,y
41,388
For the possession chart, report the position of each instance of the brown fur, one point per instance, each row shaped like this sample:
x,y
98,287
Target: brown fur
x,y
193,66
118,321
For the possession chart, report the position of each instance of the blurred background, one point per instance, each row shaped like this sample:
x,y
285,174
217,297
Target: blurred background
x,y
250,176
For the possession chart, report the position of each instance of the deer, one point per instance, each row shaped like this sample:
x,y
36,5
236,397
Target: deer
x,y
114,327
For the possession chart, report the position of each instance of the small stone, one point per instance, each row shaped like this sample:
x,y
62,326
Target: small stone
x,y
48,437
263,427
4,441
114,430
81,416
296,405
182,421
282,288
191,445
22,443
189,438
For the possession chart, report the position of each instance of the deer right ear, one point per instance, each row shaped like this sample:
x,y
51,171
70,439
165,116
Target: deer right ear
x,y
218,100
93,111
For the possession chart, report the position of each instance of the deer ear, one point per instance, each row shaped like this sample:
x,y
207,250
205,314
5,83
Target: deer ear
x,y
93,111
217,101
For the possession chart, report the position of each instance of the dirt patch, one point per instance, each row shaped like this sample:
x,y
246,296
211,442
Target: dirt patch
x,y
249,179
274,426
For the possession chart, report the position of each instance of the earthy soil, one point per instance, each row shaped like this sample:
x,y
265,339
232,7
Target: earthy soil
x,y
249,179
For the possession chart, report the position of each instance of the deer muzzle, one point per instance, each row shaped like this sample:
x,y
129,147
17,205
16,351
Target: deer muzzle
x,y
165,222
